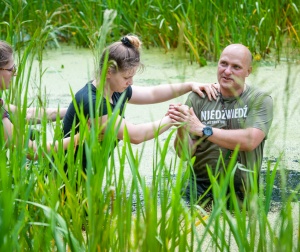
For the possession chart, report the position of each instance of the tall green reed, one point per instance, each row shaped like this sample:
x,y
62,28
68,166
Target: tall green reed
x,y
265,27
100,208
20,180
95,208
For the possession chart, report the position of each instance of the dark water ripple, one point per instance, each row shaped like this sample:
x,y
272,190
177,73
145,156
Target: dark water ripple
x,y
285,184
279,192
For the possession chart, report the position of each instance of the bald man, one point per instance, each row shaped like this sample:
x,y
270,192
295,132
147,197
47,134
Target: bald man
x,y
239,119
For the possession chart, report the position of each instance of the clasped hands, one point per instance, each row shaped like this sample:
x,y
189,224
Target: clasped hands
x,y
183,116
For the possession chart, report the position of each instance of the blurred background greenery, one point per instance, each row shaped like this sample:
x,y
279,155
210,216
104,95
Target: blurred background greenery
x,y
203,28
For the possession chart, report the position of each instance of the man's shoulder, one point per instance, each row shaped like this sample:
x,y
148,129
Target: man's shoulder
x,y
196,99
258,97
257,91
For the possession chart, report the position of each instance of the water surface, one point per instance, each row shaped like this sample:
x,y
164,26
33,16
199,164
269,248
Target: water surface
x,y
69,68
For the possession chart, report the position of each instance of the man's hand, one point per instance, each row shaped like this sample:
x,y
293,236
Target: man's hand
x,y
183,115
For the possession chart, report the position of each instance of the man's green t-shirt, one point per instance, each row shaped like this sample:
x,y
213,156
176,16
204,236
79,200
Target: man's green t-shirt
x,y
252,109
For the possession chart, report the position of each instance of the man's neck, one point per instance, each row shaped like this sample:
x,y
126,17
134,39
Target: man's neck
x,y
233,92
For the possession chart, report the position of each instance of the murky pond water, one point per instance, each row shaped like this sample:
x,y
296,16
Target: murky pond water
x,y
69,68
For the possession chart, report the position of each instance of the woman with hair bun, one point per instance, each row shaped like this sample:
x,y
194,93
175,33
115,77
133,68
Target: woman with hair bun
x,y
122,59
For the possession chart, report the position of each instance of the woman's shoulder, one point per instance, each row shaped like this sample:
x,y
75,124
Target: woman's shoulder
x,y
84,91
127,92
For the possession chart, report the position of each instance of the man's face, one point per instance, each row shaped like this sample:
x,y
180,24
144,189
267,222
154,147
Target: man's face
x,y
233,68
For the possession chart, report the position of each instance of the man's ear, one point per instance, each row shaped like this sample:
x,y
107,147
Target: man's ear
x,y
249,71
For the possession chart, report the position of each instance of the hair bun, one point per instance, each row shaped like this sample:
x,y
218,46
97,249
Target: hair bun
x,y
126,42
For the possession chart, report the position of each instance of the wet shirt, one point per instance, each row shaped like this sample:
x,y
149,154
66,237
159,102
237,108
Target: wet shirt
x,y
82,98
252,109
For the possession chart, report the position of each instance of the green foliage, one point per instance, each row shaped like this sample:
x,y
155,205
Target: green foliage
x,y
44,207
204,26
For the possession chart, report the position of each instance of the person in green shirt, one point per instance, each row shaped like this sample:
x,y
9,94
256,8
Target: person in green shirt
x,y
239,119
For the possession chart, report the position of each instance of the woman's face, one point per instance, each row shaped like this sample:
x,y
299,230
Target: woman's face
x,y
119,81
6,73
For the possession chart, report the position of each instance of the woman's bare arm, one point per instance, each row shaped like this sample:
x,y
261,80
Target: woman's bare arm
x,y
165,92
36,114
139,133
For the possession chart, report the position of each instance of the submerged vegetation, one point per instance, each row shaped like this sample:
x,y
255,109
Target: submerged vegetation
x,y
44,208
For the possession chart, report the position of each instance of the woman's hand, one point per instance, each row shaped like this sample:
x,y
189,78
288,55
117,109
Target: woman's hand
x,y
172,107
175,111
211,90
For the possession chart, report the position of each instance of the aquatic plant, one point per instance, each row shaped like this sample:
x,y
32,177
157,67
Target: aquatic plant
x,y
43,207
